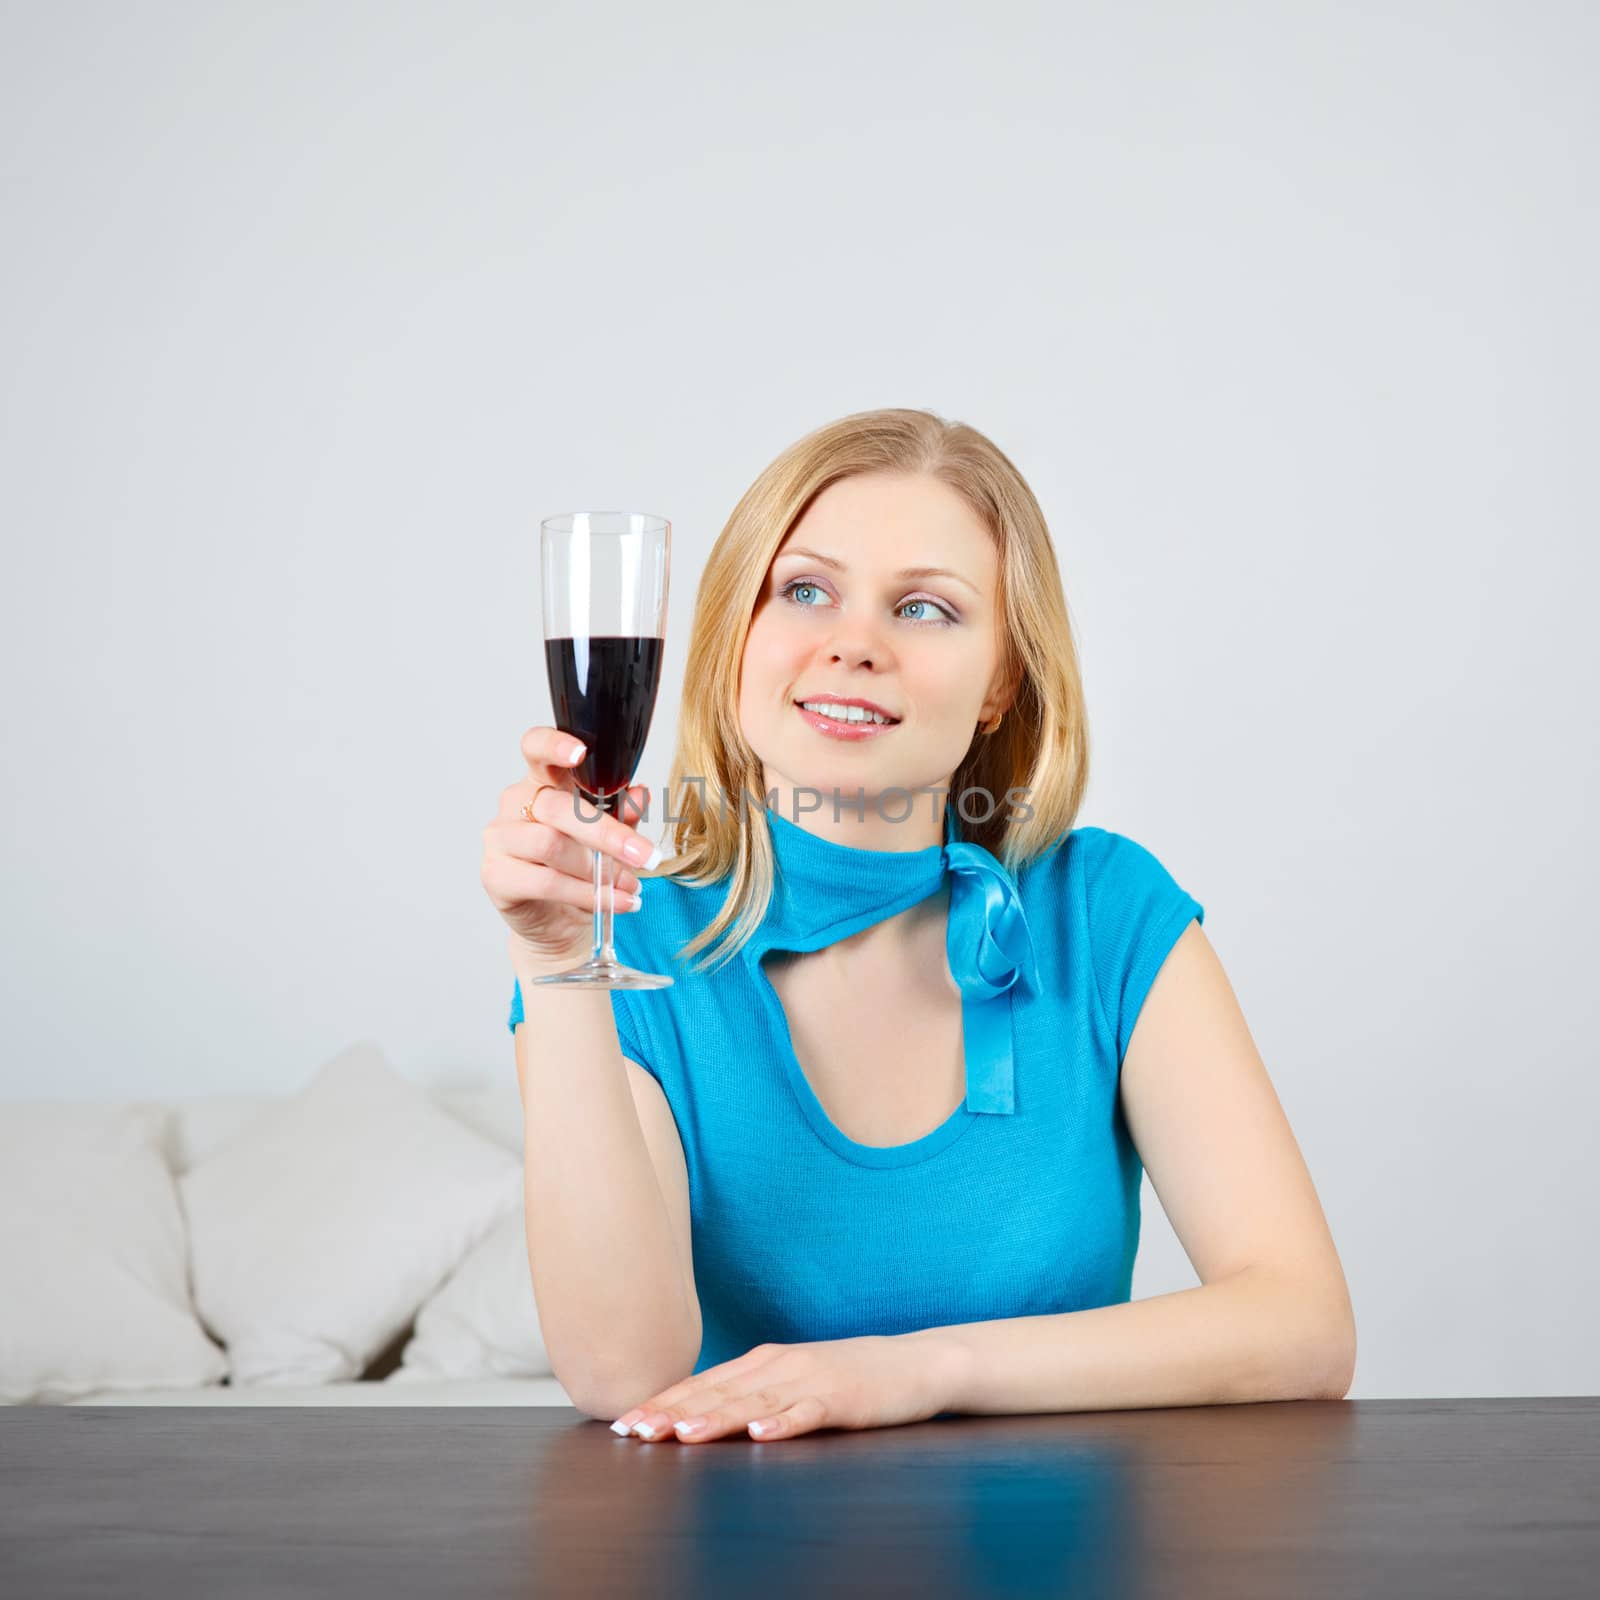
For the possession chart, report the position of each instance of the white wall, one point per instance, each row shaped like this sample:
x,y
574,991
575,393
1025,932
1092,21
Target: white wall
x,y
310,311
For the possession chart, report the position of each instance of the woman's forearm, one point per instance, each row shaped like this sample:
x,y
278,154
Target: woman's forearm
x,y
616,1310
1254,1336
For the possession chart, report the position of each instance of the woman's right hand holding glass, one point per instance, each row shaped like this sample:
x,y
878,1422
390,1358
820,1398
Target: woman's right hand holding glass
x,y
540,873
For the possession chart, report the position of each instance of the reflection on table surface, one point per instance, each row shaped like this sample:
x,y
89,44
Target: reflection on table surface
x,y
1016,1505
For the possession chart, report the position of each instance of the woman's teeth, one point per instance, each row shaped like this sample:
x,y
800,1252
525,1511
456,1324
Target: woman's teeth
x,y
826,708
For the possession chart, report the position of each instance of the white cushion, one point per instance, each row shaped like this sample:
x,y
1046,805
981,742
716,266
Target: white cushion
x,y
483,1323
203,1123
318,1230
92,1256
492,1108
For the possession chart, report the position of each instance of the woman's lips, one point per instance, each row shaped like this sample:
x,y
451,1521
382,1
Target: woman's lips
x,y
845,730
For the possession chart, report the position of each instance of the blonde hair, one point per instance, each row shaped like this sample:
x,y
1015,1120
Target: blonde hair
x,y
1041,746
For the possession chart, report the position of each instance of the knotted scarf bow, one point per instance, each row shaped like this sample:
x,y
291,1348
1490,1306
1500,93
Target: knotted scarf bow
x,y
989,947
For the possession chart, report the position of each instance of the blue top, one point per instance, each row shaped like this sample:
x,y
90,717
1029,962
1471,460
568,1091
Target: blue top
x,y
1024,1201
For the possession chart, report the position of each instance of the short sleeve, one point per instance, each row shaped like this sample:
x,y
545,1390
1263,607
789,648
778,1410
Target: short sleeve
x,y
1136,912
627,1032
629,1035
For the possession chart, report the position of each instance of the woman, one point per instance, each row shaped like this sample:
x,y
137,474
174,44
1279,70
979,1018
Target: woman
x,y
875,1156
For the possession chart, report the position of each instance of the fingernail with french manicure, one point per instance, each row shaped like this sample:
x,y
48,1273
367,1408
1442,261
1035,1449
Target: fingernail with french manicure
x,y
643,854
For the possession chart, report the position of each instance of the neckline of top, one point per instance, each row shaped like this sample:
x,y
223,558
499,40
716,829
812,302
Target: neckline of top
x,y
824,891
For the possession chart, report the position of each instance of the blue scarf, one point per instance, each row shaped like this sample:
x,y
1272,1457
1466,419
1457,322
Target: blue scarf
x,y
826,891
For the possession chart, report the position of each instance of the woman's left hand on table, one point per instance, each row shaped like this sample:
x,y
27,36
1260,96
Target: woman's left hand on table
x,y
776,1391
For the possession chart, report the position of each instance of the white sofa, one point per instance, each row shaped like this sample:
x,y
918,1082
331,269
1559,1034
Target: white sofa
x,y
245,1243
446,1392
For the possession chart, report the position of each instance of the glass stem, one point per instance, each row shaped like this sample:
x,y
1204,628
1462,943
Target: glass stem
x,y
604,903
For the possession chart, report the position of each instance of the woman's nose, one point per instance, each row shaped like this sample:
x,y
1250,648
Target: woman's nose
x,y
857,645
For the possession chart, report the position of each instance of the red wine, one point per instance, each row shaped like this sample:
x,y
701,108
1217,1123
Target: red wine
x,y
604,692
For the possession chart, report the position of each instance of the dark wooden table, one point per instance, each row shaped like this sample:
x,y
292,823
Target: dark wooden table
x,y
1362,1498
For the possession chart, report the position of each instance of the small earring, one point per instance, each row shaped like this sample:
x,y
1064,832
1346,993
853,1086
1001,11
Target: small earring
x,y
994,723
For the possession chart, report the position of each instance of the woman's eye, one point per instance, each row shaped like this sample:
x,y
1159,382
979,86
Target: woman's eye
x,y
797,588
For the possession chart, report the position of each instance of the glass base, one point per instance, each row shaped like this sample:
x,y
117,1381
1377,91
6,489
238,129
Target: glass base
x,y
597,974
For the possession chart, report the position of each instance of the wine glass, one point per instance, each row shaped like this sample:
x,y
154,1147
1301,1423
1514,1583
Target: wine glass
x,y
604,576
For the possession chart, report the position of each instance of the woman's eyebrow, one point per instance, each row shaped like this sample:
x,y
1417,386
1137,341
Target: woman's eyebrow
x,y
904,572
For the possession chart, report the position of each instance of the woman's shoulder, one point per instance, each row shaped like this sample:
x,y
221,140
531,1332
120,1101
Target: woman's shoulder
x,y
1079,852
669,897
1092,867
672,910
